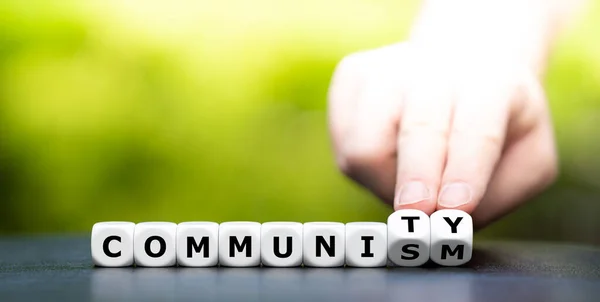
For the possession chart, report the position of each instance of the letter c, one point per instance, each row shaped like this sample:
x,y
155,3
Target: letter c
x,y
107,250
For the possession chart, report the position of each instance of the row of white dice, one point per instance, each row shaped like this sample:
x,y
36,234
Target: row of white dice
x,y
410,238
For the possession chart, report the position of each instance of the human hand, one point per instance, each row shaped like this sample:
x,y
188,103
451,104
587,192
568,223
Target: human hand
x,y
428,129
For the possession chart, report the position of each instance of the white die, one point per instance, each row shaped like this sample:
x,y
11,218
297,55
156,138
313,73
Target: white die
x,y
112,243
197,244
324,244
281,244
239,243
154,244
451,237
366,244
409,237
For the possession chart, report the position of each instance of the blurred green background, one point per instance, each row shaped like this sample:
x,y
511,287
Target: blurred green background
x,y
215,110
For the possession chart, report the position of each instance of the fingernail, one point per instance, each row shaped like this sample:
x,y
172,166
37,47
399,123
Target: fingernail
x,y
455,194
413,192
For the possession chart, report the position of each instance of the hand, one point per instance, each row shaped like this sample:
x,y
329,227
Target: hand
x,y
427,129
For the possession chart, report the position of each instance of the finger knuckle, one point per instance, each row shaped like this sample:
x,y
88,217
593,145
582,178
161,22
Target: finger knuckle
x,y
493,139
423,128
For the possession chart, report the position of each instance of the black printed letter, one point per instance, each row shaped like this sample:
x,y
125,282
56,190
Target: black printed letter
x,y
105,246
193,246
246,243
453,225
414,254
458,250
367,240
329,248
276,250
411,222
162,249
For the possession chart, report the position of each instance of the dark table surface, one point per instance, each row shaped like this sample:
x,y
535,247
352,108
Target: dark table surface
x,y
60,269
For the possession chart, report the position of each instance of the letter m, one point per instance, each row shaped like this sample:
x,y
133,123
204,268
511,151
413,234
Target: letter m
x,y
458,251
